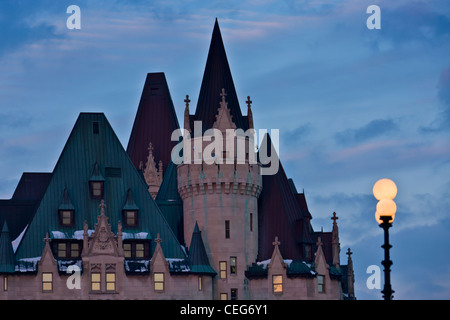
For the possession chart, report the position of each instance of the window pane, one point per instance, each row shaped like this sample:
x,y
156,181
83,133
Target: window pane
x,y
159,286
223,269
95,277
47,286
199,283
159,277
127,250
110,277
110,286
95,286
47,277
223,296
277,283
232,265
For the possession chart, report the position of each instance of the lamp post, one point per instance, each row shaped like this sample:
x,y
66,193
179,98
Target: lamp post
x,y
385,191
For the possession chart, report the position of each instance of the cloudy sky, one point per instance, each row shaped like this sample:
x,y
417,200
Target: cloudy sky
x,y
353,105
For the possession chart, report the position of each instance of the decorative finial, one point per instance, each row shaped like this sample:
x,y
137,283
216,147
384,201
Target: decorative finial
x,y
334,218
102,207
349,253
158,239
150,148
187,101
248,102
319,242
276,242
47,238
223,95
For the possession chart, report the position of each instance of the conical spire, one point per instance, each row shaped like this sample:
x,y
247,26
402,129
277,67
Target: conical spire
x,y
155,121
6,251
197,258
217,75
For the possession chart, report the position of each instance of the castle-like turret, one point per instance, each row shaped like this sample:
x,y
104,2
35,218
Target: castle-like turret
x,y
220,185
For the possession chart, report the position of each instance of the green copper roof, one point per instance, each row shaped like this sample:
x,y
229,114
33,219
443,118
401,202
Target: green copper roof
x,y
170,203
93,151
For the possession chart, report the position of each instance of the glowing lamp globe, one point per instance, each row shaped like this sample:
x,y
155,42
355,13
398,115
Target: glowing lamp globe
x,y
385,207
384,189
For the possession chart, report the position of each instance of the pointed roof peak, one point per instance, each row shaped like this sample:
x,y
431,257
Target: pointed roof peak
x,y
217,76
196,229
5,227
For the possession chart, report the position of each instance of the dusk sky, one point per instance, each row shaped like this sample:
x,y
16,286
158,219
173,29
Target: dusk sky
x,y
353,105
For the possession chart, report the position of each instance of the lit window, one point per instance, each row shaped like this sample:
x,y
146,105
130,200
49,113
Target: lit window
x,y
66,249
130,218
110,281
277,283
223,269
136,250
139,250
223,296
95,282
5,283
96,189
227,229
127,250
200,283
62,250
47,282
320,284
232,265
66,217
159,281
74,250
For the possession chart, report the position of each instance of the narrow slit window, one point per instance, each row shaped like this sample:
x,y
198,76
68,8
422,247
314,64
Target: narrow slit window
x,y
227,229
159,281
47,282
232,265
95,282
277,284
223,269
110,281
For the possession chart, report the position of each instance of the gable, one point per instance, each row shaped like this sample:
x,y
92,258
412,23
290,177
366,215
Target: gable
x,y
93,141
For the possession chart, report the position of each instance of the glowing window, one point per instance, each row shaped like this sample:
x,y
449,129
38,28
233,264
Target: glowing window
x,y
277,283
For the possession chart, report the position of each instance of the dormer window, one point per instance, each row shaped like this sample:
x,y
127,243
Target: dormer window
x,y
66,211
130,218
130,211
96,189
96,183
66,218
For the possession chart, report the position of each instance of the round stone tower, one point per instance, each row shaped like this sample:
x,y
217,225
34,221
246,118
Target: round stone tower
x,y
220,186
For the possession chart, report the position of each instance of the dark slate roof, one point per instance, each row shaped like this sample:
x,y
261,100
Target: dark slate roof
x,y
17,213
170,203
155,121
7,261
197,257
326,239
280,214
217,75
19,210
32,186
91,141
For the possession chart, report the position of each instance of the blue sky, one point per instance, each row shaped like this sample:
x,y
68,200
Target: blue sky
x,y
353,105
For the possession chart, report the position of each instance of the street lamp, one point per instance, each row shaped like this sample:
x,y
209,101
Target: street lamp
x,y
385,191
